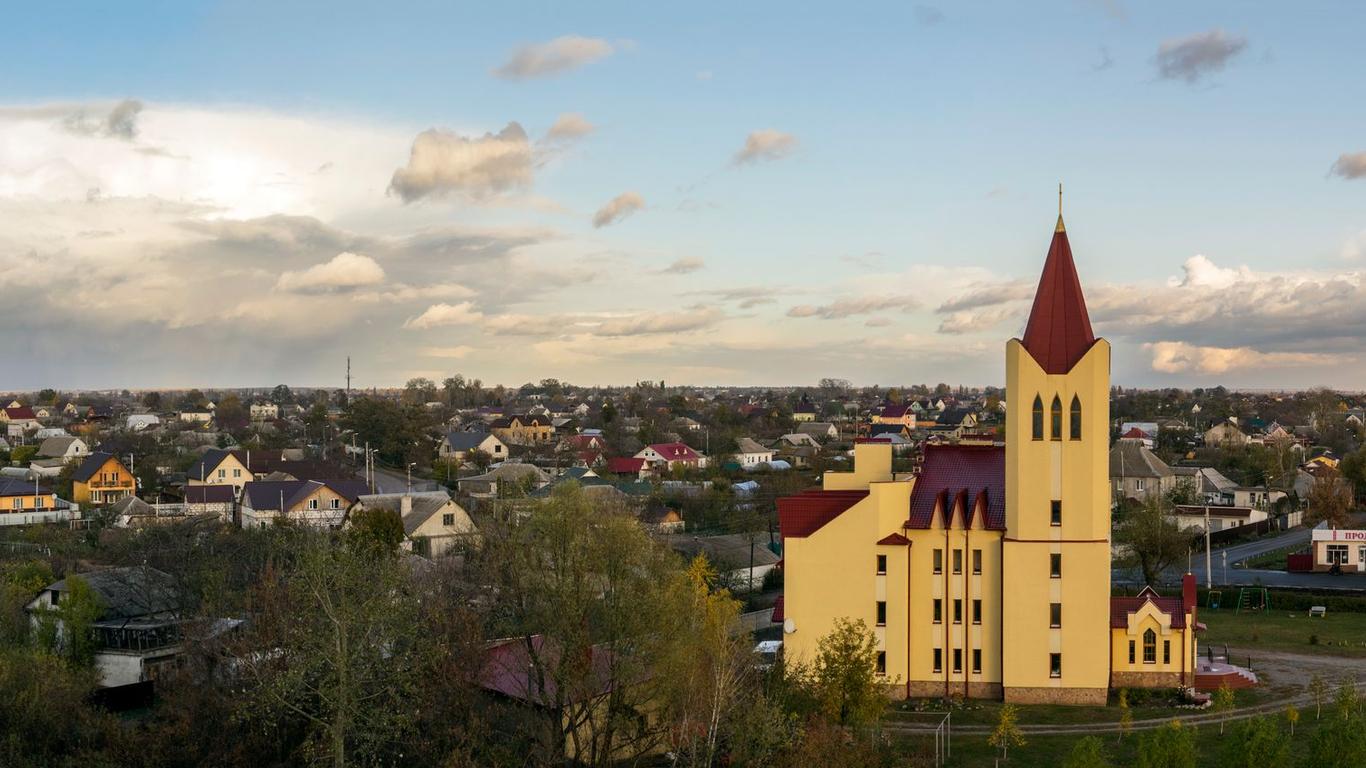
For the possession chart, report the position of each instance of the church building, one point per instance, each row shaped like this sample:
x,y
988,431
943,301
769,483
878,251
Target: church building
x,y
988,573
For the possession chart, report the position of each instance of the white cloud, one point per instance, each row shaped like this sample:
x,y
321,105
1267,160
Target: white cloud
x,y
1350,166
569,126
553,57
767,144
1182,357
618,208
440,315
684,266
344,272
848,307
458,352
442,162
1191,58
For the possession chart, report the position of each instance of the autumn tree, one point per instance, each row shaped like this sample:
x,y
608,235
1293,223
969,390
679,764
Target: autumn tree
x,y
1088,752
1171,746
1153,539
1257,742
1331,501
1007,732
845,677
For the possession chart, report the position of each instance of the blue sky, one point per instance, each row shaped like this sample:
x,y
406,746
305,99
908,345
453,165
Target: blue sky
x,y
908,159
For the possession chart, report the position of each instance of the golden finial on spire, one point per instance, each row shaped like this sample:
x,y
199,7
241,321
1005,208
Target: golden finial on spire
x,y
1060,227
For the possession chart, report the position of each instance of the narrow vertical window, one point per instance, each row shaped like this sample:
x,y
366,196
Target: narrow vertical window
x,y
1131,651
1055,614
1038,417
881,564
881,613
938,660
977,661
938,610
1055,665
976,611
957,611
957,659
977,560
1055,514
1055,418
1055,566
882,662
958,561
1149,647
939,561
1166,651
1074,426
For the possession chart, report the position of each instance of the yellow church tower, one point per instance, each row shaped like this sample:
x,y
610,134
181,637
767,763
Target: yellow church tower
x,y
1055,554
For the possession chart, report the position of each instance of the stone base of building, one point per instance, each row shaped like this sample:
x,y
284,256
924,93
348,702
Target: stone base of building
x,y
1145,679
935,689
1094,697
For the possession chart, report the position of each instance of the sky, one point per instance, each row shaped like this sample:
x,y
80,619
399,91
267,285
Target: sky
x,y
761,193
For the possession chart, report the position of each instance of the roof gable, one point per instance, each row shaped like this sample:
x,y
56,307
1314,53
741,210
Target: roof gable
x,y
1059,332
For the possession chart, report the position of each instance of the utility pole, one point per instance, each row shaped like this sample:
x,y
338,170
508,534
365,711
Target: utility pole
x,y
1209,569
348,379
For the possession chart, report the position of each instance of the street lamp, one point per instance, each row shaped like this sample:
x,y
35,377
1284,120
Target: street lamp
x,y
410,477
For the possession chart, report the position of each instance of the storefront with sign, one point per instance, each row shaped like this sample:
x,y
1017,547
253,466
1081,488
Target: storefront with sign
x,y
1345,548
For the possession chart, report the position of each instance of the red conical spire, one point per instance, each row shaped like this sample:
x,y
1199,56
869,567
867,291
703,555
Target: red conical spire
x,y
1059,330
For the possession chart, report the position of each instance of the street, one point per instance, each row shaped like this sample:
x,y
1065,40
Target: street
x,y
1234,576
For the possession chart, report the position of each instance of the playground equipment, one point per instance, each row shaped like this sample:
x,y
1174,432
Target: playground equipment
x,y
1253,599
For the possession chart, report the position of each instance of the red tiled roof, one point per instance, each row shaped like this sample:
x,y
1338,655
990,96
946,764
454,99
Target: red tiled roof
x,y
624,464
894,539
967,474
1059,330
508,669
890,411
802,515
675,451
20,412
1121,607
778,616
1135,433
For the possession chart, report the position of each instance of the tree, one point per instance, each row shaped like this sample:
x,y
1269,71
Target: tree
x,y
375,530
1256,743
340,621
1292,716
1154,540
1330,501
1318,688
845,675
231,413
1223,704
1341,741
1170,746
152,400
281,395
1007,733
69,629
1088,752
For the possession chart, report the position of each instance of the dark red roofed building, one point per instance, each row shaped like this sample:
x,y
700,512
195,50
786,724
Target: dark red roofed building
x,y
672,455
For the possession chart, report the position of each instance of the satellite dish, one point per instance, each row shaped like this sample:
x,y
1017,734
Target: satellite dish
x,y
789,626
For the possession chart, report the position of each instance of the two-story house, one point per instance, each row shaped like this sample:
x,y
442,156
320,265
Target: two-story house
x,y
102,479
321,503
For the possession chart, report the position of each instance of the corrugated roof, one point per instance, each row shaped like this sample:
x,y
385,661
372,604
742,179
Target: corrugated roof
x,y
968,474
1059,332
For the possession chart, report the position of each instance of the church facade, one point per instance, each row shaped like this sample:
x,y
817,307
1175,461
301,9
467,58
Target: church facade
x,y
988,573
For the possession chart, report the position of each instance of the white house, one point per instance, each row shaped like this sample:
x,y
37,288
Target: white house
x,y
456,446
750,454
433,524
265,411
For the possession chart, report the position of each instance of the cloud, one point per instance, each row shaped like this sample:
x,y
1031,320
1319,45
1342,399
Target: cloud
x,y
344,272
1350,166
570,126
646,324
989,296
977,320
1106,60
553,57
684,266
1181,357
618,208
744,298
764,145
121,122
442,162
927,15
458,352
848,307
441,315
1191,58
878,322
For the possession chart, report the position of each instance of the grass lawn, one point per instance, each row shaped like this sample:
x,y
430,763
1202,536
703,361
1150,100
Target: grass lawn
x,y
1337,634
1050,751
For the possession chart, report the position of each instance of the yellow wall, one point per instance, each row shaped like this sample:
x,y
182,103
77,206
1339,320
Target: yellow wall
x,y
1076,472
227,465
28,503
116,478
1183,642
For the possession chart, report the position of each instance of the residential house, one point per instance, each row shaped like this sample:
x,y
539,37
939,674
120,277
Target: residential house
x,y
628,466
686,424
137,631
1149,429
263,411
523,430
195,416
65,448
1137,473
19,419
661,518
1225,435
220,467
891,413
796,440
505,480
217,500
964,418
749,454
821,430
456,446
320,503
673,455
25,502
805,411
1220,517
433,524
742,559
101,478
589,450
138,422
46,412
1134,434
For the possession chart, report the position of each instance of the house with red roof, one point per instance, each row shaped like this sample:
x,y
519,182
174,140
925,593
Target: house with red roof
x,y
671,455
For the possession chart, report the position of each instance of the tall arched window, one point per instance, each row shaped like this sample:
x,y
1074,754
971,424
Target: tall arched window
x,y
1038,417
1149,647
1074,426
1055,414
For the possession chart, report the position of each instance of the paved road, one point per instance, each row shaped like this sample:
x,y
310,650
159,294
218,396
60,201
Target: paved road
x,y
393,481
1235,576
